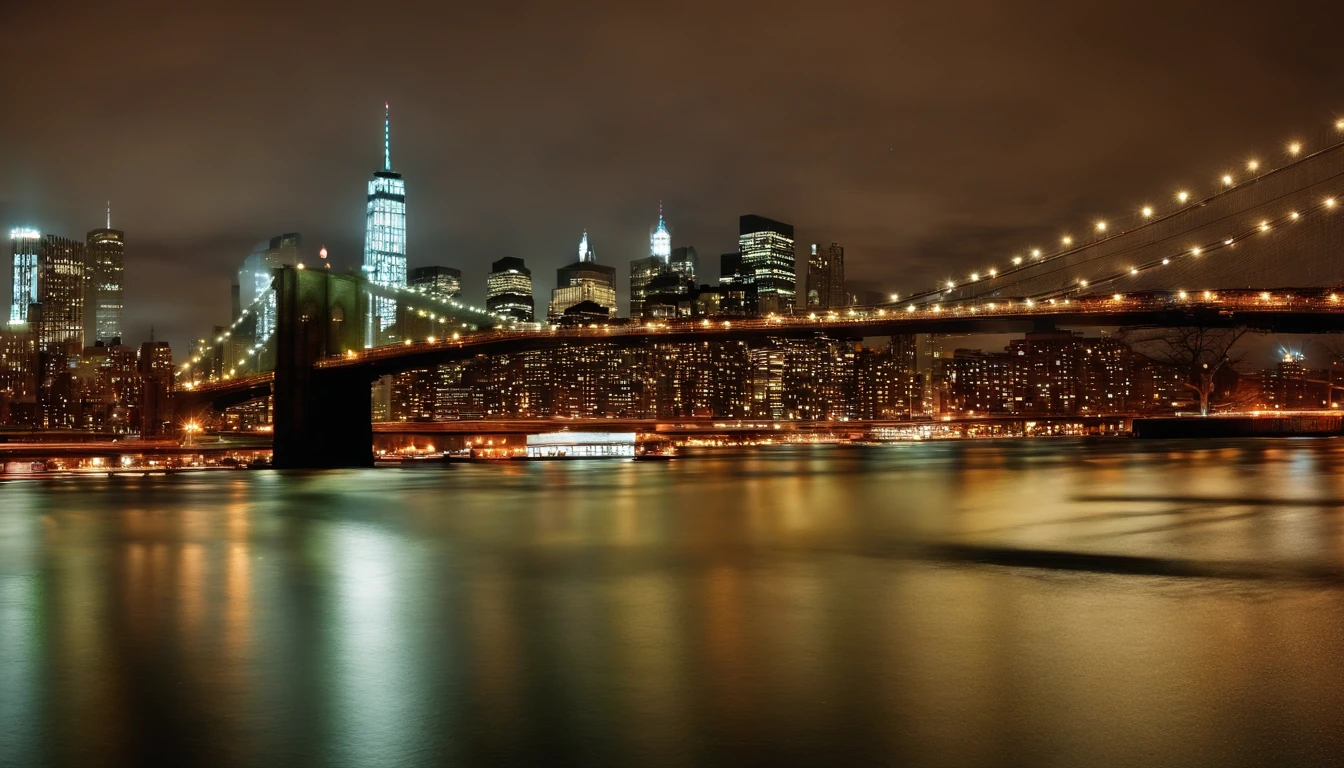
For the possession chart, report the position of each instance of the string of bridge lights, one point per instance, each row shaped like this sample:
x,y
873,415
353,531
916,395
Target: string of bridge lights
x,y
243,315
1148,214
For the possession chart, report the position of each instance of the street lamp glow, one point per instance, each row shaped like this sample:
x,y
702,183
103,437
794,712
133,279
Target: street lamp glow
x,y
1264,226
1294,216
1035,253
1101,226
1017,260
1295,149
1329,202
993,272
975,276
1182,196
1147,211
1194,251
1066,240
1227,180
1253,165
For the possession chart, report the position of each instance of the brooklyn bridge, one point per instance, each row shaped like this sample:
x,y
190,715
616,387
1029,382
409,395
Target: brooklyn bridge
x,y
1260,252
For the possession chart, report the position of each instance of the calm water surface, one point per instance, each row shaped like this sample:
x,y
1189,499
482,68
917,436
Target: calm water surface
x,y
1043,603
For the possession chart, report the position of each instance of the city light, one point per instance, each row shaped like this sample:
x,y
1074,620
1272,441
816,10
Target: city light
x,y
1147,212
1066,240
1194,251
1182,196
1295,149
1329,202
1035,253
1253,165
1227,180
1017,260
1101,226
24,233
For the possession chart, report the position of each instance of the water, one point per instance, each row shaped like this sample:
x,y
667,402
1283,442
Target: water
x,y
1040,603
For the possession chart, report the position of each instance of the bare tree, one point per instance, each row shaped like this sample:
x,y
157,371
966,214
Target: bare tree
x,y
1198,352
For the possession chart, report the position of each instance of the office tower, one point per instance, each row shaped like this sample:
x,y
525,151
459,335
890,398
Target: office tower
x,y
826,278
385,237
156,388
642,271
508,289
442,283
107,253
685,262
18,377
60,292
24,244
767,254
584,280
256,275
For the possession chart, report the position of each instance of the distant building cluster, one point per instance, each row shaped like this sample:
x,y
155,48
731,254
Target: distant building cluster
x,y
63,364
809,379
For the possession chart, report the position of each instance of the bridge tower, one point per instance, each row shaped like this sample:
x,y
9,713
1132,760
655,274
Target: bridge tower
x,y
322,417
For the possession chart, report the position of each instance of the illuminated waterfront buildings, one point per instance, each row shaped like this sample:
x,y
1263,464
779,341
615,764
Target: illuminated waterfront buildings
x,y
826,278
24,244
767,263
385,237
508,289
107,255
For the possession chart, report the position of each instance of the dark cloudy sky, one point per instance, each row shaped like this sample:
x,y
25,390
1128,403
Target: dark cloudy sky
x,y
928,138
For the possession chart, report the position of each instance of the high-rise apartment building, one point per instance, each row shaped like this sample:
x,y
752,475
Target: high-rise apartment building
x,y
826,278
385,237
24,245
767,258
107,259
584,280
508,289
442,283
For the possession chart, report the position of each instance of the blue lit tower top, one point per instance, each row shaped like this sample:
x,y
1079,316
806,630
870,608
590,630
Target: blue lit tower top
x,y
660,242
585,253
385,235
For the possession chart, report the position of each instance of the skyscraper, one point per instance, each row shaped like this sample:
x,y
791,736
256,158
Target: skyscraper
x,y
767,255
257,273
685,262
24,244
508,289
642,272
385,237
584,280
441,283
826,278
60,292
107,252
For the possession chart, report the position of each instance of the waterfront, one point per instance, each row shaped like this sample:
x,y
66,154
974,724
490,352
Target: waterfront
x,y
1047,602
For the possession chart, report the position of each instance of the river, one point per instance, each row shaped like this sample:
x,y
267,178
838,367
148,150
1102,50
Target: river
x,y
1031,603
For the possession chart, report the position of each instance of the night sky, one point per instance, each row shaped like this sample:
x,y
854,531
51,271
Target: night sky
x,y
927,138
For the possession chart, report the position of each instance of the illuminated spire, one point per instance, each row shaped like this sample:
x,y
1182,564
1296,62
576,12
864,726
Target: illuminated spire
x,y
109,214
660,242
585,253
387,137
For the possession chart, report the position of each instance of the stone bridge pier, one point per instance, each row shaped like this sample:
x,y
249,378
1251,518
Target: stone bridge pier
x,y
322,416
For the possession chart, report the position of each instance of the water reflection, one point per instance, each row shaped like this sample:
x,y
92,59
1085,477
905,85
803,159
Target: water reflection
x,y
1043,603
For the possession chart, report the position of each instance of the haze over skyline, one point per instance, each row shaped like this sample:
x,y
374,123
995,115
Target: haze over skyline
x,y
517,128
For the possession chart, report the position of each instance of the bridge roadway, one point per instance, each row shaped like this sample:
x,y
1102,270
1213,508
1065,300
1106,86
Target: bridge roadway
x,y
1279,311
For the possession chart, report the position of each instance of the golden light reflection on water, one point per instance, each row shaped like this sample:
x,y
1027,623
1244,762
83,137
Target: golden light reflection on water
x,y
952,604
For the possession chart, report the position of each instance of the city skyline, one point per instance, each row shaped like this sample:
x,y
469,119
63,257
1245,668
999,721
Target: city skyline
x,y
877,179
